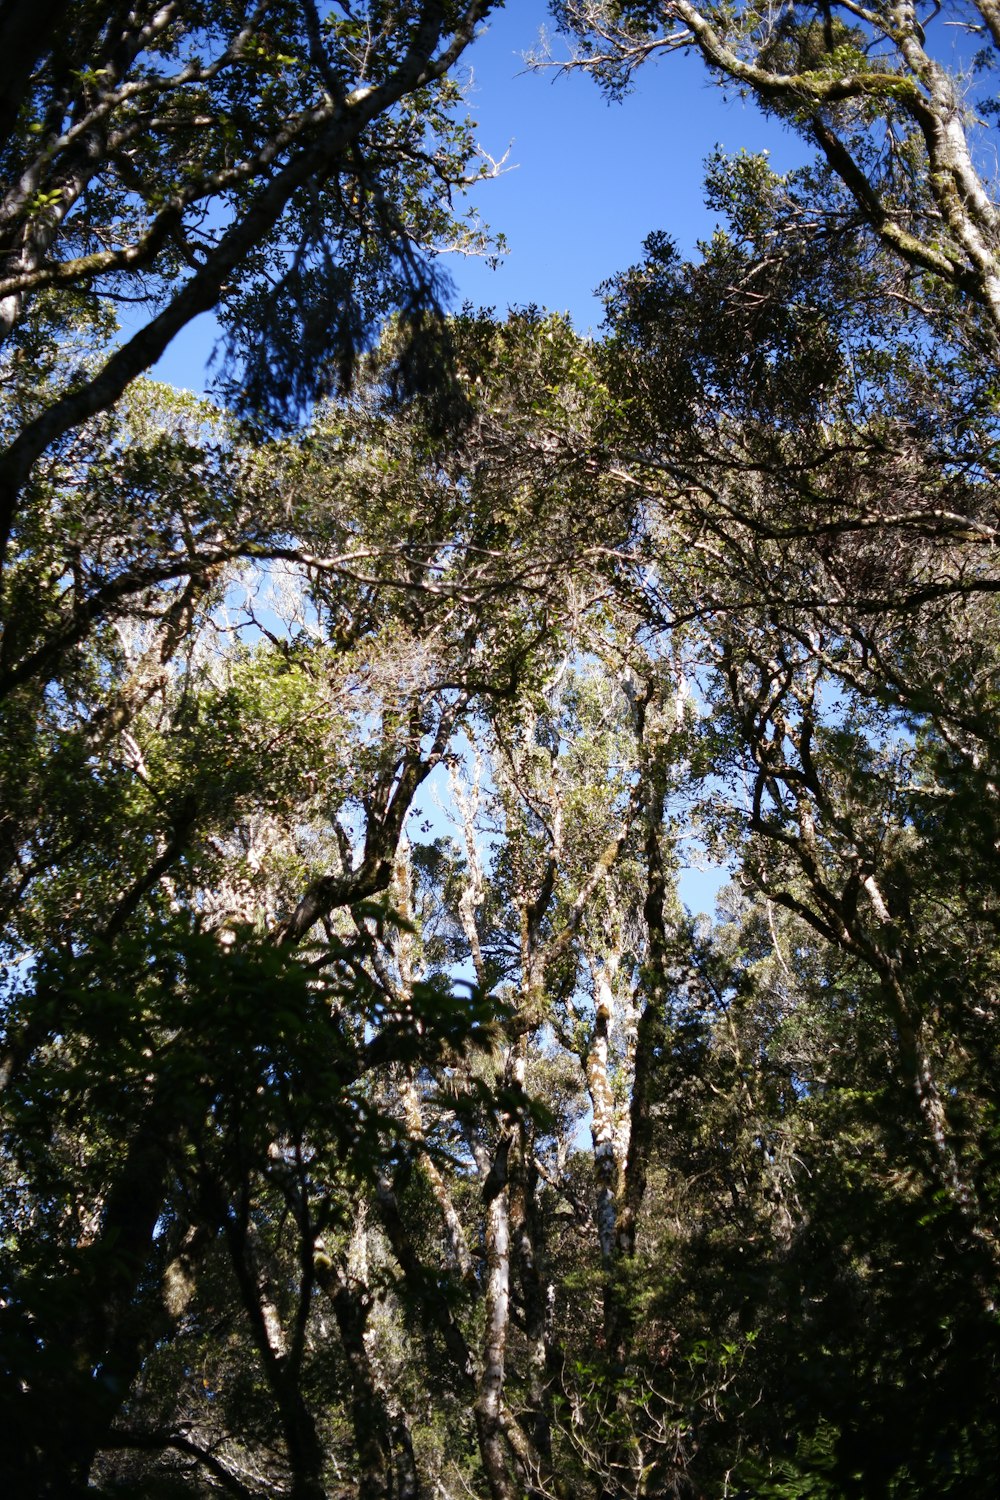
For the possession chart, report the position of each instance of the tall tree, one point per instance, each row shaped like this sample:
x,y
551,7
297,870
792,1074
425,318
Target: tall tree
x,y
869,85
287,164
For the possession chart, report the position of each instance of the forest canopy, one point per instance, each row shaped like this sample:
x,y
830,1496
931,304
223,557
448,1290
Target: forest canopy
x,y
376,1119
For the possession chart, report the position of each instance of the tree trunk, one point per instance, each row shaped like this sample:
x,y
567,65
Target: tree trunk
x,y
489,1399
372,1439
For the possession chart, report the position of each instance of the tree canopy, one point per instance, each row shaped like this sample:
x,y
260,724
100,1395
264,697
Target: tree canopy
x,y
376,1119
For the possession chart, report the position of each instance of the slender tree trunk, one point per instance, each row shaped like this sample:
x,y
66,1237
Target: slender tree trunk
x,y
369,1419
528,1241
302,1445
407,1478
489,1399
651,1040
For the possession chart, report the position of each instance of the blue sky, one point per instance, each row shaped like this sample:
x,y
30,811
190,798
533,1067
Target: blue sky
x,y
585,180
588,180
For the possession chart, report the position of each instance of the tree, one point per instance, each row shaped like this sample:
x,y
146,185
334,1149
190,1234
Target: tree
x,y
811,431
286,163
862,83
355,1144
196,972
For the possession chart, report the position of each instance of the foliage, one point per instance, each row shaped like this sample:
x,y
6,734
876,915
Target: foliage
x,y
288,164
376,1121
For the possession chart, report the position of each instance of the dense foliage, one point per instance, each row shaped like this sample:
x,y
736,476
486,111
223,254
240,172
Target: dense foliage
x,y
376,1121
